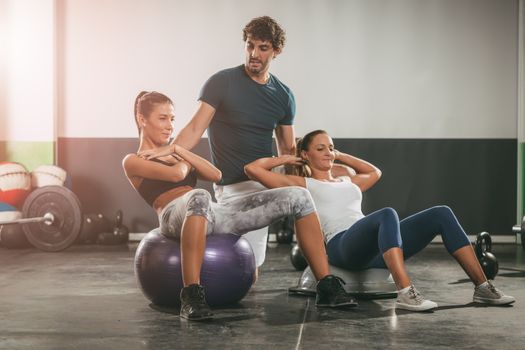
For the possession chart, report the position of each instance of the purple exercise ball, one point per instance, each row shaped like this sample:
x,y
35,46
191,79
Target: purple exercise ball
x,y
227,271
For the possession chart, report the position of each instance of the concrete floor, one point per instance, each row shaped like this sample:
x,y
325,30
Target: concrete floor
x,y
86,298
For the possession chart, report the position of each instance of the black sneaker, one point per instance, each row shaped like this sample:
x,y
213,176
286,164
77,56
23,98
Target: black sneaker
x,y
330,293
193,304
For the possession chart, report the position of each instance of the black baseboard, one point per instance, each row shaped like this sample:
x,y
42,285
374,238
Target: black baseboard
x,y
476,178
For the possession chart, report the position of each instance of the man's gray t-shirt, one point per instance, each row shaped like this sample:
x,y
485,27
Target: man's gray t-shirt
x,y
246,115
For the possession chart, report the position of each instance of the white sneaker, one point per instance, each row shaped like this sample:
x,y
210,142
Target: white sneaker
x,y
486,293
410,299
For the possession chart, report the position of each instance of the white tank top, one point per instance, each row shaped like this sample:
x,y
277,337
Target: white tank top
x,y
338,204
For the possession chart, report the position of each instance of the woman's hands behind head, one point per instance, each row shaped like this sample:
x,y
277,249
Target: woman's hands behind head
x,y
290,160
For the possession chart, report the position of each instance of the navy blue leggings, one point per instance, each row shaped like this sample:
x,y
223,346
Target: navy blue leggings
x,y
363,244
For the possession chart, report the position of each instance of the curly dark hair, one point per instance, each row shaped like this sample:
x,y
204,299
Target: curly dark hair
x,y
265,28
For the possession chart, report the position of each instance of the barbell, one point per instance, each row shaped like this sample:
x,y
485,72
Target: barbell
x,y
51,218
47,219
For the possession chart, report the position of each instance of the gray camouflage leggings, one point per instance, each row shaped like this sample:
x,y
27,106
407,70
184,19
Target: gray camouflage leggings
x,y
238,215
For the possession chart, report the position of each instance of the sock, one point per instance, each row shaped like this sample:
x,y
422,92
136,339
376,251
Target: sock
x,y
404,290
484,284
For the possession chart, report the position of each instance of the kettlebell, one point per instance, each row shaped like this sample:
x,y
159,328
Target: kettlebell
x,y
486,259
297,258
284,236
285,230
119,234
13,237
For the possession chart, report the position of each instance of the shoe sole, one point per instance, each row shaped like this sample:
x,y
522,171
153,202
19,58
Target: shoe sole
x,y
414,308
348,304
202,318
492,301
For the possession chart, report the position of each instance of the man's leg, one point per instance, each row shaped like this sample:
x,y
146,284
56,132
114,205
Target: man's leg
x,y
258,240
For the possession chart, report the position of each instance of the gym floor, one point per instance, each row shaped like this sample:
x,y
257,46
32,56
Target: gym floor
x,y
86,297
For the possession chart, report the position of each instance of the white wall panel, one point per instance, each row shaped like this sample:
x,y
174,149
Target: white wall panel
x,y
27,73
362,68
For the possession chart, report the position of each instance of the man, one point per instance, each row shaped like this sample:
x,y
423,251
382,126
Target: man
x,y
242,107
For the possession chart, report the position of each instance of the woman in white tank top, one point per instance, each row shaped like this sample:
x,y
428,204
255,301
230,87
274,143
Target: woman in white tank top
x,y
380,239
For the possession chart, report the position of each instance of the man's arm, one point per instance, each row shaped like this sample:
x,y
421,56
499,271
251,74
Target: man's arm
x,y
285,136
190,135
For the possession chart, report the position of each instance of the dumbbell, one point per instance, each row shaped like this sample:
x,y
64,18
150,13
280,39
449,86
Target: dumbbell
x,y
93,225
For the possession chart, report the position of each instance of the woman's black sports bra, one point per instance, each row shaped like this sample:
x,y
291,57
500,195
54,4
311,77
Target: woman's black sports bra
x,y
150,189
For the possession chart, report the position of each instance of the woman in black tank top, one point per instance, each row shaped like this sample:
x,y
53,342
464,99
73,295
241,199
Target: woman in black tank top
x,y
189,214
161,182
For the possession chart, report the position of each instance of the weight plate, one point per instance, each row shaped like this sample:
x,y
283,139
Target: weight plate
x,y
67,224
